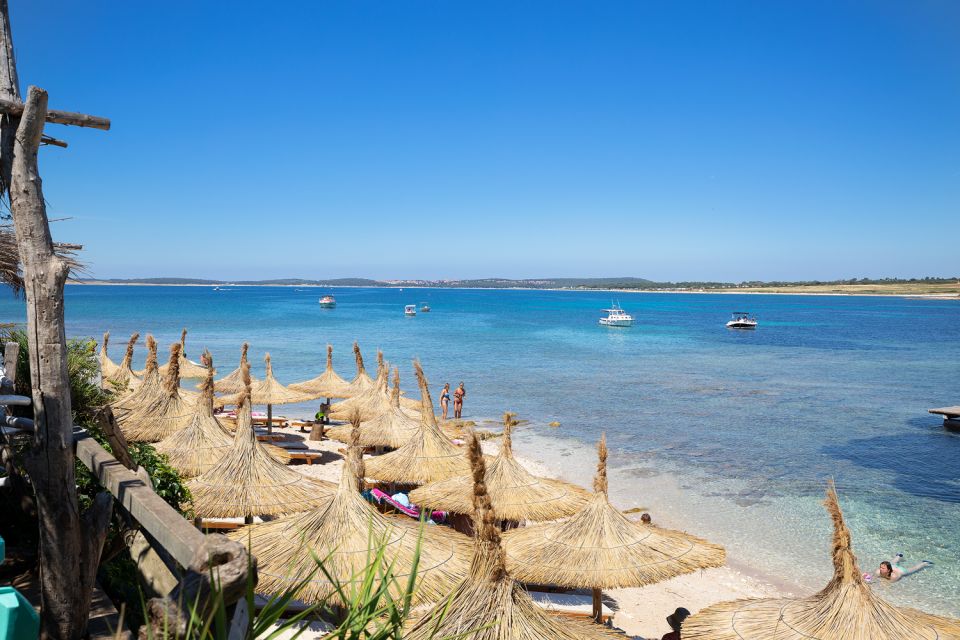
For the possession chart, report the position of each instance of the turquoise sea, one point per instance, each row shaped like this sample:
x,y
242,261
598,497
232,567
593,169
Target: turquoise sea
x,y
730,435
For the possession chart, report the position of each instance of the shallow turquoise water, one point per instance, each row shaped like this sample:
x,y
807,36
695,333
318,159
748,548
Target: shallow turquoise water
x,y
729,434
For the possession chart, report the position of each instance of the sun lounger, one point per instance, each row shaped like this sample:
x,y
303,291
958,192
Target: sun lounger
x,y
382,498
307,456
224,524
574,605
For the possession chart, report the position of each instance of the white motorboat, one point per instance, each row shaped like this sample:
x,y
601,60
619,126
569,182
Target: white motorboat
x,y
742,320
328,302
410,310
616,317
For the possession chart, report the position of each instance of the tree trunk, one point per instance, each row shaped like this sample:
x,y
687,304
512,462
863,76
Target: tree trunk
x,y
65,561
9,90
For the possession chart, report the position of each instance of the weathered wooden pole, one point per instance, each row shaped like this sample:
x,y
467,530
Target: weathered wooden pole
x,y
69,547
10,91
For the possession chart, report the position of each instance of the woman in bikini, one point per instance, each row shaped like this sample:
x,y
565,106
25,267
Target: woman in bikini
x,y
458,401
445,399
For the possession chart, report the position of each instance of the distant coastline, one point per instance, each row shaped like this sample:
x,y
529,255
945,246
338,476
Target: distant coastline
x,y
928,289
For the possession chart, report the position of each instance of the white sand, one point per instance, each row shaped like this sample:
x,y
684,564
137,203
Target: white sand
x,y
639,612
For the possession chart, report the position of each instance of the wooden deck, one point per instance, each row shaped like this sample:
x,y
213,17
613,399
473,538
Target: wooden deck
x,y
951,416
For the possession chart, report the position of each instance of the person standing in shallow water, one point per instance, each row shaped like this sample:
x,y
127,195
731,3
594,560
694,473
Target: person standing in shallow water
x,y
445,399
458,401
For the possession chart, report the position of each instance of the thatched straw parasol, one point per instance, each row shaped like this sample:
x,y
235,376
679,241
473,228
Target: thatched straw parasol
x,y
171,411
247,481
270,392
188,368
371,403
108,368
233,381
391,429
598,548
362,381
428,456
846,609
149,391
194,449
489,604
327,385
123,380
516,494
346,534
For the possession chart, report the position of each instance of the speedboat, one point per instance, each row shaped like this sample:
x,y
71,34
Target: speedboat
x,y
328,302
410,310
742,320
424,307
616,317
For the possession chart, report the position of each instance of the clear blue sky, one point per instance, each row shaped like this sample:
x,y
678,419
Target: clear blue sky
x,y
668,140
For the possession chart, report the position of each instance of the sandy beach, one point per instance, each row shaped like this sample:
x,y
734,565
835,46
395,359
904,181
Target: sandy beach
x,y
639,612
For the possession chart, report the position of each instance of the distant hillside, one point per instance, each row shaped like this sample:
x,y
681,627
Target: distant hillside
x,y
882,285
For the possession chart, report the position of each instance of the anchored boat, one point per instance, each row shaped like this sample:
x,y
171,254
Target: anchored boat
x,y
328,302
616,317
742,320
410,310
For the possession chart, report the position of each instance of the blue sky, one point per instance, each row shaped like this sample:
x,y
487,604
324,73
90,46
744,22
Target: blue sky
x,y
668,140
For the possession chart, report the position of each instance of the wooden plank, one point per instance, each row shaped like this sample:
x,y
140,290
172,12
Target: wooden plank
x,y
162,521
15,109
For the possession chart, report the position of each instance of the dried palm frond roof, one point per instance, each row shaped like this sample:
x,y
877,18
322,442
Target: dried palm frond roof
x,y
427,456
194,449
373,402
599,548
516,494
391,429
327,385
122,380
362,381
233,381
846,609
10,272
247,481
269,390
108,368
188,368
346,534
169,413
149,391
489,604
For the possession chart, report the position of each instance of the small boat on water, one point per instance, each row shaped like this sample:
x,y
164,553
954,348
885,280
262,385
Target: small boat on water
x,y
616,317
410,310
742,320
328,302
424,307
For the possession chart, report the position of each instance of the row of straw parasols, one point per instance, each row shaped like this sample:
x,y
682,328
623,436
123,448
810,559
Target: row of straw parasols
x,y
575,539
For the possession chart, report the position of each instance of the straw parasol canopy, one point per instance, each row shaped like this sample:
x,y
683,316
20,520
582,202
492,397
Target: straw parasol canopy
x,y
391,429
233,381
598,548
516,494
846,609
371,403
346,534
489,604
247,481
428,456
362,381
269,391
149,391
188,368
123,380
327,385
108,368
169,413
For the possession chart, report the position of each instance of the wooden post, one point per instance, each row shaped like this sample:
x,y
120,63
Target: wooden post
x,y
68,554
9,90
597,607
270,420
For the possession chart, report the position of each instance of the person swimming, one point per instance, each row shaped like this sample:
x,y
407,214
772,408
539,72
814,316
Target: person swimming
x,y
892,571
